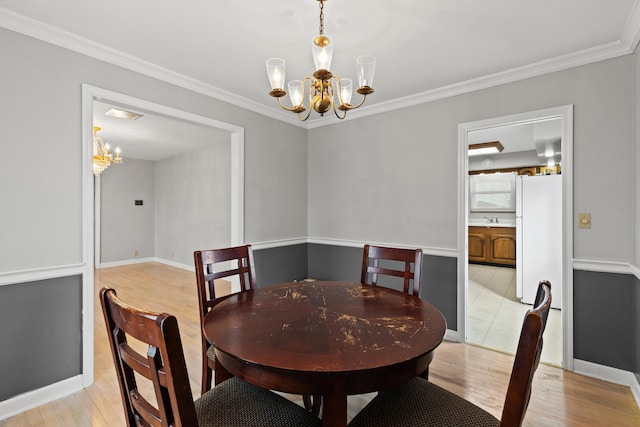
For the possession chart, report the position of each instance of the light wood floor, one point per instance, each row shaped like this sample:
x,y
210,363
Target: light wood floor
x,y
559,398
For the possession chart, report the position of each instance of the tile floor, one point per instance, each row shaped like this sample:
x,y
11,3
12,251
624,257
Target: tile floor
x,y
494,314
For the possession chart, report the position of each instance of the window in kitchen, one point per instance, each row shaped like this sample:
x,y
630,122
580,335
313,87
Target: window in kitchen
x,y
492,192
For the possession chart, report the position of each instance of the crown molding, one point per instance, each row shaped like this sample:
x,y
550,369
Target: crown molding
x,y
626,45
631,32
575,59
53,35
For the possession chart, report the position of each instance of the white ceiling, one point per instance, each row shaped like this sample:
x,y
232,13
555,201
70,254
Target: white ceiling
x,y
421,45
425,49
152,137
532,140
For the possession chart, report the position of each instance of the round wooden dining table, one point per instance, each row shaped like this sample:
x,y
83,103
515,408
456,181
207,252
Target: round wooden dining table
x,y
329,339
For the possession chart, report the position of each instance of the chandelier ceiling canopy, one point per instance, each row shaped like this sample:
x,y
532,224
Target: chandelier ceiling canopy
x,y
323,91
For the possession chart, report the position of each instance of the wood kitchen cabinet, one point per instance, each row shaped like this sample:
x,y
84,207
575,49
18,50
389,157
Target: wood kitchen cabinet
x,y
492,245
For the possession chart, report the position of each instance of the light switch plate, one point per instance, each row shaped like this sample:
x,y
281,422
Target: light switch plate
x,y
584,220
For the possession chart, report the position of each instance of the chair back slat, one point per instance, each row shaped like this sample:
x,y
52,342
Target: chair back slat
x,y
379,260
209,267
527,359
163,364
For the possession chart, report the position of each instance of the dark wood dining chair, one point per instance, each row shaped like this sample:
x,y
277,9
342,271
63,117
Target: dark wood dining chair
x,y
211,265
231,403
405,264
422,403
396,262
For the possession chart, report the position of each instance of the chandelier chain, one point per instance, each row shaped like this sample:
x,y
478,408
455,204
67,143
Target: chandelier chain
x,y
321,17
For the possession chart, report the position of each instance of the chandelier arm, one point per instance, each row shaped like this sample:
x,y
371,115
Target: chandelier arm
x,y
345,106
352,107
305,117
335,111
339,82
332,97
284,107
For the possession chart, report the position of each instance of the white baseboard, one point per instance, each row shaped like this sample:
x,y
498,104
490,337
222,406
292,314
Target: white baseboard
x,y
453,336
24,402
175,264
143,260
607,373
635,389
125,262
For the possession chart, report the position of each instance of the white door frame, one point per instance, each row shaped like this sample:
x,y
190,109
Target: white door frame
x,y
90,94
565,113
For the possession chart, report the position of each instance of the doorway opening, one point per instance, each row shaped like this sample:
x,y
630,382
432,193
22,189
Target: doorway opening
x,y
235,189
499,267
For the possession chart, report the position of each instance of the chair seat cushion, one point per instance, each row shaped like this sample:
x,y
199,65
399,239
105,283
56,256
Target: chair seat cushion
x,y
421,403
237,403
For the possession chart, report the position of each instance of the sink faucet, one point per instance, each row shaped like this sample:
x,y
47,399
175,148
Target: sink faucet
x,y
491,220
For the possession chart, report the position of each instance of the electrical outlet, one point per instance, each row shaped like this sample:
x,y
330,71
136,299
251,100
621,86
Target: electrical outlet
x,y
135,253
584,220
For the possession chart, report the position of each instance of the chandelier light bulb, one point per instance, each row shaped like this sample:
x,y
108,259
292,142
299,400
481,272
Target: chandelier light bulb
x,y
346,86
275,71
366,66
295,92
322,50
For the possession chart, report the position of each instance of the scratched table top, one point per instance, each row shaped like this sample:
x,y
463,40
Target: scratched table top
x,y
326,327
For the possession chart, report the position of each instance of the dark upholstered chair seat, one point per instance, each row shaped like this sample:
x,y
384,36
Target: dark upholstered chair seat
x,y
419,397
237,403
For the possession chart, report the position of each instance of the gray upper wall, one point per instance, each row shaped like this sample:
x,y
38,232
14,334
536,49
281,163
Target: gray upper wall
x,y
40,131
125,227
193,203
393,178
410,156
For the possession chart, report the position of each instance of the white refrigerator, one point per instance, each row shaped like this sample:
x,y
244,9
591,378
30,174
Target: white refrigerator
x,y
539,236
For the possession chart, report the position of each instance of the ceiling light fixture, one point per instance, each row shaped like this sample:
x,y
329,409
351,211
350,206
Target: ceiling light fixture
x,y
123,114
322,87
102,157
493,147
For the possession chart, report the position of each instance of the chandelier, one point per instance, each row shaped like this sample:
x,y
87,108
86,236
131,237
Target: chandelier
x,y
323,91
102,157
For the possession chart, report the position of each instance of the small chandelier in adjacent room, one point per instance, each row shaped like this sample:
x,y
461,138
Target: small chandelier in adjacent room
x,y
102,157
323,91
